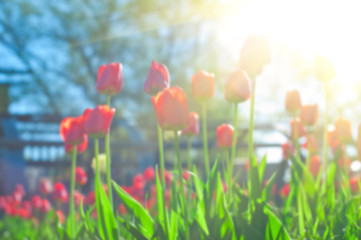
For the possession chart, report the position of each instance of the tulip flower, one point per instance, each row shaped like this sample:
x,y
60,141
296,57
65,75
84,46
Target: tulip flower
x,y
78,197
237,88
36,202
293,101
110,79
171,108
157,79
324,70
90,198
354,185
285,190
59,214
59,193
224,136
287,149
97,121
343,130
297,129
72,130
309,114
192,128
45,206
80,148
315,165
138,181
149,174
45,186
203,86
80,176
255,54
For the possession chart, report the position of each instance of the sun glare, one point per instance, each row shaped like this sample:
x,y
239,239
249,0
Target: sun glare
x,y
329,28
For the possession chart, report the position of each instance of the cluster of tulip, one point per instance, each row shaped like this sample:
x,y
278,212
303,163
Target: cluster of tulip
x,y
179,205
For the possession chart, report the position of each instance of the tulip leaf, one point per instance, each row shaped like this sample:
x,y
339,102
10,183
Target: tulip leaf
x,y
143,220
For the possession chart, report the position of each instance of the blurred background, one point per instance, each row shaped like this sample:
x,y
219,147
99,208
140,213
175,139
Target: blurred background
x,y
51,51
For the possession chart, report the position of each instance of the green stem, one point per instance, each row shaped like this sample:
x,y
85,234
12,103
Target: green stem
x,y
189,148
297,144
234,143
250,135
325,147
108,161
96,152
205,138
183,197
161,162
72,186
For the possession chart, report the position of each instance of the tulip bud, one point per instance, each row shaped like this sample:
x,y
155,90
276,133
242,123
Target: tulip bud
x,y
297,129
97,121
255,54
203,86
157,79
225,136
59,193
80,176
72,130
149,174
324,70
237,88
45,206
45,186
309,114
171,108
293,101
192,128
285,190
110,79
343,130
287,150
315,165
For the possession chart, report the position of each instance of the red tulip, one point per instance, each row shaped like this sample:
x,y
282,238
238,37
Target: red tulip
x,y
90,198
78,197
185,174
237,88
157,79
203,86
59,214
297,128
97,121
138,181
354,185
72,130
80,176
287,149
224,136
293,101
60,194
255,54
149,174
324,70
121,209
309,114
343,130
36,202
315,165
171,108
110,79
45,206
80,148
45,186
285,190
192,128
